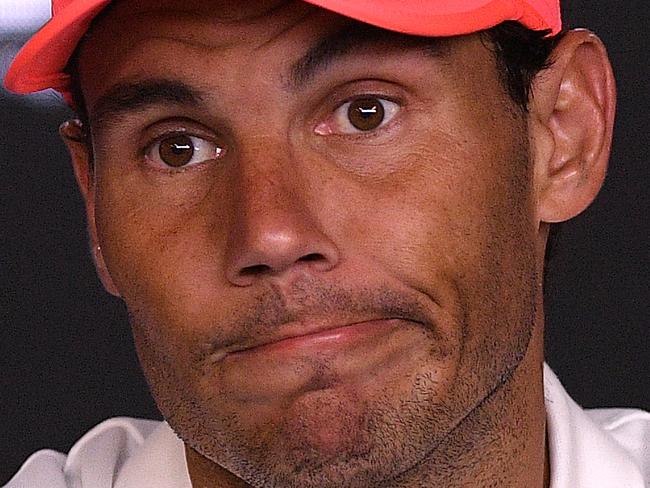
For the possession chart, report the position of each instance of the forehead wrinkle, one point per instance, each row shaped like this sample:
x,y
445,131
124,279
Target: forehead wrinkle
x,y
189,29
284,30
233,24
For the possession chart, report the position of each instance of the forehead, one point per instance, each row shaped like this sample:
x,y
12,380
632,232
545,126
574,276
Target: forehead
x,y
198,38
128,33
206,21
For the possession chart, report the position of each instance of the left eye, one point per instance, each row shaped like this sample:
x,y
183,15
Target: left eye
x,y
181,150
359,115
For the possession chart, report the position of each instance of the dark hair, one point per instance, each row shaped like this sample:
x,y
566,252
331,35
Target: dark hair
x,y
520,54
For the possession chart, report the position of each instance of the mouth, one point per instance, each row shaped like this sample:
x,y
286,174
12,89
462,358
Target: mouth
x,y
330,339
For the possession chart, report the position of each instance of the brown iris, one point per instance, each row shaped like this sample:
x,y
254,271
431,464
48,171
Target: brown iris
x,y
176,151
366,113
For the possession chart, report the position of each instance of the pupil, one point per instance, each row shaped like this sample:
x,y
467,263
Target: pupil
x,y
366,113
180,148
176,151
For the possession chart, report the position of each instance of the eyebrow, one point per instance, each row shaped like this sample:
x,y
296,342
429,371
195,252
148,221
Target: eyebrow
x,y
352,39
139,95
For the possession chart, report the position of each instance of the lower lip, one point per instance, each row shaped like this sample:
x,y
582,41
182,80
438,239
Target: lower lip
x,y
328,340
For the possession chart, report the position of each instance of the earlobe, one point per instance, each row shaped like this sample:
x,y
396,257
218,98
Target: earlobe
x,y
102,270
571,125
76,139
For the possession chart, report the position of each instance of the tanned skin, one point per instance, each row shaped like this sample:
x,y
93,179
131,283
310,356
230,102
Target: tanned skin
x,y
418,244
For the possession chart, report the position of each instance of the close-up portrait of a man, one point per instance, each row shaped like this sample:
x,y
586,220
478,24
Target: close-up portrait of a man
x,y
329,222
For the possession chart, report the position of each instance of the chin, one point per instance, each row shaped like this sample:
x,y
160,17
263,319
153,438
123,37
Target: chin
x,y
313,469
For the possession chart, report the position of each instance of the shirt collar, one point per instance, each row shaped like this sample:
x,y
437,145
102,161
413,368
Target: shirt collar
x,y
581,453
160,462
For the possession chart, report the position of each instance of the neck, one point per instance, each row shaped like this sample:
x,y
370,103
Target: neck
x,y
206,474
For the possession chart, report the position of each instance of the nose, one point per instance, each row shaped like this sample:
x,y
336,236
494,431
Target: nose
x,y
276,230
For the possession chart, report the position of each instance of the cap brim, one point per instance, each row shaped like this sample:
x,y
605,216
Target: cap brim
x,y
444,17
40,64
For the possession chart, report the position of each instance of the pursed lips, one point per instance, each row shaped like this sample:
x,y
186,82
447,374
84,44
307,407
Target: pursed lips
x,y
314,334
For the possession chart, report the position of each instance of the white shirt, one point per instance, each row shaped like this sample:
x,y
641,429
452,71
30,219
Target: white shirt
x,y
600,448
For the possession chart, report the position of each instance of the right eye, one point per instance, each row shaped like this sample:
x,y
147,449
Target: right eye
x,y
182,150
364,114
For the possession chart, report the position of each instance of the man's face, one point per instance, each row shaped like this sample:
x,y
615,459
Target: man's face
x,y
274,173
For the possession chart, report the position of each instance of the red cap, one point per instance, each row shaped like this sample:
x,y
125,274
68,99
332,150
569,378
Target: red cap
x,y
41,62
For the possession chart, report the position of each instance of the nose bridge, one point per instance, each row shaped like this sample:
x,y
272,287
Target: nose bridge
x,y
266,177
276,226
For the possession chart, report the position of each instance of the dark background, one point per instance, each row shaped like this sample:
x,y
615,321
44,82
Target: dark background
x,y
66,359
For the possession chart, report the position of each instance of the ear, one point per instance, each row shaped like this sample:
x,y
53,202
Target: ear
x,y
80,149
571,124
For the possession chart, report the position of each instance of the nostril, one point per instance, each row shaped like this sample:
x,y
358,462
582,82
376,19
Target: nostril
x,y
312,257
255,270
260,269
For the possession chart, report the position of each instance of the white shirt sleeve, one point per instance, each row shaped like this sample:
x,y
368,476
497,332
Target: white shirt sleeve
x,y
93,462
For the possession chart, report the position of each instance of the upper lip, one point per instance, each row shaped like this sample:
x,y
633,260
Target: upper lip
x,y
299,329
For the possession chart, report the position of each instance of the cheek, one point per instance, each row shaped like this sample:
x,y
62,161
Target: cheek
x,y
451,210
160,250
156,237
459,226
